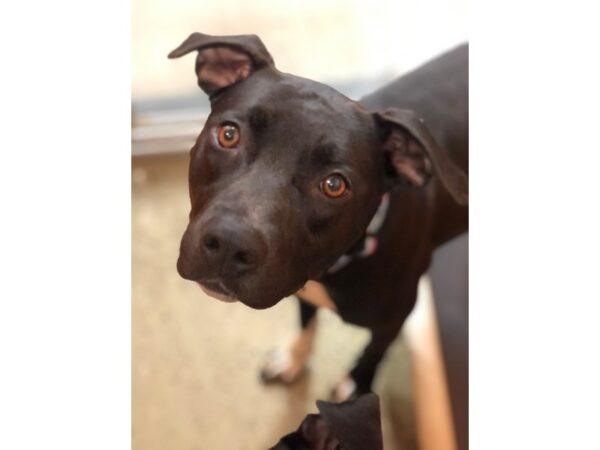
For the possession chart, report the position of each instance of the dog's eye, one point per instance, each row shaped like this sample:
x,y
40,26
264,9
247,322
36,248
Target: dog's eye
x,y
228,135
334,185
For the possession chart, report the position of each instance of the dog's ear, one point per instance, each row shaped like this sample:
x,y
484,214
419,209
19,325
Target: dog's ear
x,y
355,423
351,425
224,60
313,434
412,155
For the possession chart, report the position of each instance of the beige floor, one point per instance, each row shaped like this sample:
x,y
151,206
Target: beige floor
x,y
196,360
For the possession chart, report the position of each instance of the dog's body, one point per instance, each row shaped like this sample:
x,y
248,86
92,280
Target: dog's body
x,y
288,228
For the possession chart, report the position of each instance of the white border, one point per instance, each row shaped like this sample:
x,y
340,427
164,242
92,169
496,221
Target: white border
x,y
534,229
65,227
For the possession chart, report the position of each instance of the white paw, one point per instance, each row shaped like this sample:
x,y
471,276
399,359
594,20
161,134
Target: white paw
x,y
282,366
343,390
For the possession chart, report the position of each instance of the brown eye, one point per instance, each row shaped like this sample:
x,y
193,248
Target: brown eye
x,y
228,136
333,186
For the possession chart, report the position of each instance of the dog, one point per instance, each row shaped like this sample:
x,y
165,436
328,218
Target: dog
x,y
351,425
297,189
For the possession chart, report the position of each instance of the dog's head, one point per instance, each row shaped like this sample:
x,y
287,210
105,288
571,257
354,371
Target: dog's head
x,y
351,425
287,173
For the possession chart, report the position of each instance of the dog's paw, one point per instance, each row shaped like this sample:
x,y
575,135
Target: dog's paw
x,y
282,366
344,390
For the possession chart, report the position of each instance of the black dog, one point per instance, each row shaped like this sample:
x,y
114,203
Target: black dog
x,y
297,189
351,425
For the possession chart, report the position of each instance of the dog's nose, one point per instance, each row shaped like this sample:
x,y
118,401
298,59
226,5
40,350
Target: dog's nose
x,y
231,248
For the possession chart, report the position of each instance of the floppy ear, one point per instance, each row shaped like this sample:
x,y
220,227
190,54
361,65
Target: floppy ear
x,y
351,425
313,434
412,154
355,423
224,60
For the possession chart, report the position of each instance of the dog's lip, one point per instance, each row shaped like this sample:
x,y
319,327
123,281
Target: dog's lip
x,y
217,290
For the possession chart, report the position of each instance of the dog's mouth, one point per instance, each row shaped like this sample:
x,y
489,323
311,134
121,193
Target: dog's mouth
x,y
217,290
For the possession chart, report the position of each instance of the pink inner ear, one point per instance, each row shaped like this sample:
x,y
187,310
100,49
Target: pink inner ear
x,y
406,165
221,67
408,159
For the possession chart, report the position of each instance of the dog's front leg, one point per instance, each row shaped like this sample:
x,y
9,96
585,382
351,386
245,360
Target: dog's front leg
x,y
360,378
286,364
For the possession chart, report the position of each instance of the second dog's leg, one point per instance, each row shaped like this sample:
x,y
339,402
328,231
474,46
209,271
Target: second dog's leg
x,y
286,364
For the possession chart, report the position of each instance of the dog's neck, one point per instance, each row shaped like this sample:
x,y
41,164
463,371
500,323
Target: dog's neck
x,y
367,245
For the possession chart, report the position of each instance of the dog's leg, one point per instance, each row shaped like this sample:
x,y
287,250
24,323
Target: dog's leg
x,y
286,364
359,380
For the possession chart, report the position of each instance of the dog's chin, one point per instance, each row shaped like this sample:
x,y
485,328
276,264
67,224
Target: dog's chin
x,y
268,298
260,303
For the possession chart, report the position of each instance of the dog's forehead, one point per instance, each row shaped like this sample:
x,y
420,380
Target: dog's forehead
x,y
287,95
